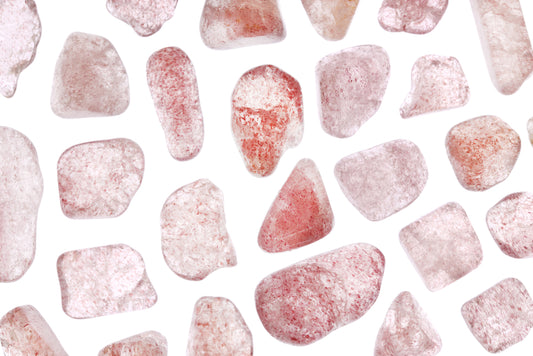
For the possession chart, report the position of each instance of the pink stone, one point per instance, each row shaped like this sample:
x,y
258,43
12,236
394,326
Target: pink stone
x,y
267,117
300,214
501,316
194,238
149,343
406,330
384,179
229,24
21,189
23,331
172,82
530,130
103,280
98,179
20,27
330,18
442,245
145,16
306,301
413,16
482,151
437,83
218,329
89,79
352,84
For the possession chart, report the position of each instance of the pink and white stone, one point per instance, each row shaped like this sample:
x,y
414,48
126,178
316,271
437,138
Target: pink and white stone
x,y
412,16
218,329
172,82
145,16
352,83
530,130
149,343
23,331
384,179
437,83
89,79
330,18
406,330
501,316
20,27
267,117
194,238
442,246
306,301
21,189
104,280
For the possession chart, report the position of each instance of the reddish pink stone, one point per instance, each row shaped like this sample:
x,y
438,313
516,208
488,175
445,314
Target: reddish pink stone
x,y
482,151
174,89
306,301
218,329
145,16
501,316
150,343
267,117
330,18
352,83
413,16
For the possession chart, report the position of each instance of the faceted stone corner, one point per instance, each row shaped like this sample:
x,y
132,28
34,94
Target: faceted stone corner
x,y
417,17
149,343
146,17
330,18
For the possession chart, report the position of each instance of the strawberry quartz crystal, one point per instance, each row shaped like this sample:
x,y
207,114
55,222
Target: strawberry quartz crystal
x,y
352,84
172,82
150,343
413,16
330,18
306,301
145,16
267,117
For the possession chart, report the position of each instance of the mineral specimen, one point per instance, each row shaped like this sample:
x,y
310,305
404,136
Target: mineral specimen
x,y
267,117
413,16
530,130
306,301
150,343
145,16
330,18
352,83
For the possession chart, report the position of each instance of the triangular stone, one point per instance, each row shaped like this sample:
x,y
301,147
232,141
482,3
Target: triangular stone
x,y
330,18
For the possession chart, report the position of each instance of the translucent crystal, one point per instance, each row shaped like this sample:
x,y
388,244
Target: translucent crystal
x,y
413,16
150,343
330,18
145,16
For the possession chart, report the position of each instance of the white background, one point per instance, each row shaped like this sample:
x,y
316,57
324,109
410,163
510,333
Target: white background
x,y
247,198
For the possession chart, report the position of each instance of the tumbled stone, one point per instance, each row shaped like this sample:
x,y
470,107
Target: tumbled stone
x,y
406,330
330,18
530,130
501,316
21,189
172,82
218,329
412,16
352,84
229,24
194,238
149,343
384,179
103,280
306,301
145,16
482,151
267,117
20,27
89,79
437,83
23,331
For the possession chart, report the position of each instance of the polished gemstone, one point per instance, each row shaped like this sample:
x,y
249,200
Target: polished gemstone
x,y
145,16
150,343
330,18
413,16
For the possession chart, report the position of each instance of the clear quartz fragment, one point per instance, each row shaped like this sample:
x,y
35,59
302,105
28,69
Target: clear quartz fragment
x,y
145,16
412,16
150,343
330,18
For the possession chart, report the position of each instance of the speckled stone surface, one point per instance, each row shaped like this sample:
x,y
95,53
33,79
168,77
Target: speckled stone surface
x,y
145,16
331,18
412,16
149,343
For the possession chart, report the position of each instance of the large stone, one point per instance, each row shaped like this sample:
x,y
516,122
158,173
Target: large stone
x,y
413,16
330,18
145,16
149,343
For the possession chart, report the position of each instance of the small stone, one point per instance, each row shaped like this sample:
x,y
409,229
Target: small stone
x,y
438,83
20,27
267,117
530,130
194,238
172,82
218,329
407,331
442,245
89,79
229,24
103,280
412,16
23,331
21,189
149,343
145,16
482,151
330,18
384,179
306,301
501,316
352,84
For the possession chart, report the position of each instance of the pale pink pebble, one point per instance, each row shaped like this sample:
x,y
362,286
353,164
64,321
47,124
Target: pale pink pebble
x,y
530,130
306,301
21,189
218,329
267,117
104,280
24,332
352,84
501,316
145,16
330,18
149,343
172,82
89,79
384,179
20,27
413,16
194,238
406,330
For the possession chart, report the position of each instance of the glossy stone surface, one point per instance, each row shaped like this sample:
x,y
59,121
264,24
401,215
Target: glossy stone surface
x,y
412,16
145,16
330,18
150,343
